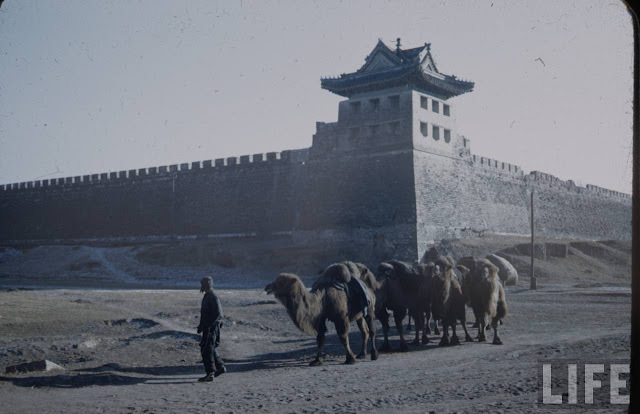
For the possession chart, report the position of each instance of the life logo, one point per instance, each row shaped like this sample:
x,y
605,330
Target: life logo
x,y
571,383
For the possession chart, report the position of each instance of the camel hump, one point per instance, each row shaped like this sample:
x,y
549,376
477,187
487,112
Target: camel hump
x,y
385,269
404,269
340,272
480,263
468,261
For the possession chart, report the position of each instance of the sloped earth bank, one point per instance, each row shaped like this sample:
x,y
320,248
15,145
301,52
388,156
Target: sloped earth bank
x,y
135,350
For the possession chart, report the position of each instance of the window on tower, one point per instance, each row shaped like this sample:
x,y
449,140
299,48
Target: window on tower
x,y
447,136
355,107
424,129
424,102
445,110
375,104
435,106
436,132
395,101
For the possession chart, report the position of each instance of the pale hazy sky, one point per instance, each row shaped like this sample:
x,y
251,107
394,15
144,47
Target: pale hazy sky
x,y
99,86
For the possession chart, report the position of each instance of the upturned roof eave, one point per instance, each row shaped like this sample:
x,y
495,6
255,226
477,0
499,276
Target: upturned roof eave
x,y
349,84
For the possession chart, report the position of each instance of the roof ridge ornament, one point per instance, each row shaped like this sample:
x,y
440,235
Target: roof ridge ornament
x,y
386,68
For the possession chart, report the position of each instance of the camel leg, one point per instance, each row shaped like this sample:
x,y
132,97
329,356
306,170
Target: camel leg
x,y
436,331
445,334
342,328
320,343
371,322
364,330
418,322
454,336
383,317
425,327
480,317
463,322
467,337
409,323
399,316
496,338
427,323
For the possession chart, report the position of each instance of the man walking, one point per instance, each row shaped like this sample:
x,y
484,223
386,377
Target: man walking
x,y
210,323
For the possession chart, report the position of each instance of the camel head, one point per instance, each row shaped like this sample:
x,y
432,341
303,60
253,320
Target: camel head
x,y
283,286
463,269
485,269
386,270
442,267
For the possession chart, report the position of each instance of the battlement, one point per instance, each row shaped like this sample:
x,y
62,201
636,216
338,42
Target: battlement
x,y
496,166
553,181
243,161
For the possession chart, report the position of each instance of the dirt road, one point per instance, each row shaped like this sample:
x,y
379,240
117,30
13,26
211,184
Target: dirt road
x,y
136,351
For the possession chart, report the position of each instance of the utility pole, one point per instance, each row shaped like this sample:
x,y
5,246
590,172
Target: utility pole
x,y
532,279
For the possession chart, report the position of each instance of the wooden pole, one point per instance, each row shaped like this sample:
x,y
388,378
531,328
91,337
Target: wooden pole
x,y
533,276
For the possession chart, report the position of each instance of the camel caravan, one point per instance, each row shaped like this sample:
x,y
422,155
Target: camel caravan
x,y
438,291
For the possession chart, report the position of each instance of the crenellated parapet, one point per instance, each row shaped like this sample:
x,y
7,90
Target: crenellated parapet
x,y
214,165
550,180
496,166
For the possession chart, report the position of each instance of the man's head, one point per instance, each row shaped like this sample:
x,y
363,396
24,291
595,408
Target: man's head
x,y
206,284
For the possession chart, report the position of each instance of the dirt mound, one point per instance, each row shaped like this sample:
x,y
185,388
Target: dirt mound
x,y
602,252
556,261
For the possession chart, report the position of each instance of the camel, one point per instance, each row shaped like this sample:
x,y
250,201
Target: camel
x,y
309,310
403,287
485,295
447,301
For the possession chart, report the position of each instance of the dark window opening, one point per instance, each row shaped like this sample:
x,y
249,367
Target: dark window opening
x,y
424,128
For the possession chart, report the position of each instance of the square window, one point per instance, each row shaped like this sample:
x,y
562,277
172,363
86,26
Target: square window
x,y
436,132
375,104
355,107
435,106
445,110
424,102
395,101
447,135
424,128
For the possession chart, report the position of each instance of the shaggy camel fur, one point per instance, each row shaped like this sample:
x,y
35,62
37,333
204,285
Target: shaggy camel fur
x,y
485,294
403,287
447,301
310,310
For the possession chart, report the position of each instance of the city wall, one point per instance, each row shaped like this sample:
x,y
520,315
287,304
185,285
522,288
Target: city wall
x,y
469,197
365,206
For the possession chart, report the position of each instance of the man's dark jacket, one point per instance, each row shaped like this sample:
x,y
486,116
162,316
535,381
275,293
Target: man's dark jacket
x,y
210,311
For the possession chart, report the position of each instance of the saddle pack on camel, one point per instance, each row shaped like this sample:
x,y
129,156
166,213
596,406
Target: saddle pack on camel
x,y
345,276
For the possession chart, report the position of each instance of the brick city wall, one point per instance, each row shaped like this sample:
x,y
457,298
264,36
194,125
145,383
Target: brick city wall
x,y
365,205
465,197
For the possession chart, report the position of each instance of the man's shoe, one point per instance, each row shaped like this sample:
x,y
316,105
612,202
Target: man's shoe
x,y
206,378
220,371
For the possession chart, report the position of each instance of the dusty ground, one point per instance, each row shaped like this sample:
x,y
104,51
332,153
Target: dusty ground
x,y
135,350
